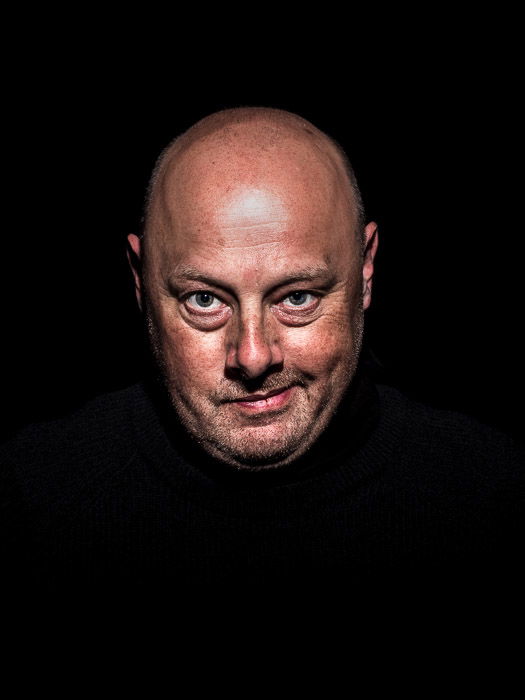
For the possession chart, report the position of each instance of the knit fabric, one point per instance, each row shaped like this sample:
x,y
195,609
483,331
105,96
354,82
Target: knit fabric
x,y
117,498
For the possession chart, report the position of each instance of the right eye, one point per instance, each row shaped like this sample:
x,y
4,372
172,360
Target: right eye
x,y
204,301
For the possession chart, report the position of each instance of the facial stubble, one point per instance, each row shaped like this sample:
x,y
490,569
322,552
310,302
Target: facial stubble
x,y
239,447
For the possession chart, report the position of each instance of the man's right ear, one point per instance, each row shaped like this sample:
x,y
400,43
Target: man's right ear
x,y
134,259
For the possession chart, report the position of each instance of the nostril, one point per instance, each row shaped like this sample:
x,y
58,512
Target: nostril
x,y
252,357
252,347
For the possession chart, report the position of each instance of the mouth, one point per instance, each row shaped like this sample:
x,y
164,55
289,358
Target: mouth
x,y
267,401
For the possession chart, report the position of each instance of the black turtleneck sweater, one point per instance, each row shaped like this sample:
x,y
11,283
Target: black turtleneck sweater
x,y
117,498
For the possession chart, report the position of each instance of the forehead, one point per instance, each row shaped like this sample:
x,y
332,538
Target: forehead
x,y
255,204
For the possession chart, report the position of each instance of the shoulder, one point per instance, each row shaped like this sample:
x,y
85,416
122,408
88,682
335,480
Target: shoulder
x,y
461,484
450,448
97,418
68,452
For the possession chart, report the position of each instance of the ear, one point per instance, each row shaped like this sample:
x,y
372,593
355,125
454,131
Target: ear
x,y
134,259
370,248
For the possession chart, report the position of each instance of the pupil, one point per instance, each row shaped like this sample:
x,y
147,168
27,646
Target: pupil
x,y
297,297
204,299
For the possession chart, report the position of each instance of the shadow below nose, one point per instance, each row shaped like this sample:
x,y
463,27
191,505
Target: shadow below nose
x,y
264,382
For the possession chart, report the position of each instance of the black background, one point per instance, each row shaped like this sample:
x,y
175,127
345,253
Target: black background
x,y
433,128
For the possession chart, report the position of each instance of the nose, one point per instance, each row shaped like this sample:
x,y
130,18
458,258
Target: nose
x,y
252,348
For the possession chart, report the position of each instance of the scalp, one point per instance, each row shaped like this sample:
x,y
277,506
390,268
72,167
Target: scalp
x,y
249,143
262,128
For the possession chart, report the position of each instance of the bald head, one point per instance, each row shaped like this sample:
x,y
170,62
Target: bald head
x,y
250,146
255,273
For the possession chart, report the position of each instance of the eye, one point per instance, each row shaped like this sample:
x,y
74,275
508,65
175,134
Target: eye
x,y
204,301
299,300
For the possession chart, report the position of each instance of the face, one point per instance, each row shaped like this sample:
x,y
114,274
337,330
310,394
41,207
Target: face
x,y
254,303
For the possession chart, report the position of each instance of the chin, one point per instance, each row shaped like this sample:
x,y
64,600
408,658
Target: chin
x,y
263,442
251,460
262,447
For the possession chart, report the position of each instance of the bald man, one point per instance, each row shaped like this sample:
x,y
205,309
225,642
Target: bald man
x,y
256,272
258,453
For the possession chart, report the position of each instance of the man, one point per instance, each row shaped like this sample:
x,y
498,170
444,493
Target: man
x,y
254,284
261,454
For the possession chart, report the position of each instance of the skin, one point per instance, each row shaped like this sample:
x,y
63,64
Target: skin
x,y
253,280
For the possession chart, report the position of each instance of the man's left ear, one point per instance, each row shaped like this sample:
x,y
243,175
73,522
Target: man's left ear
x,y
370,244
134,254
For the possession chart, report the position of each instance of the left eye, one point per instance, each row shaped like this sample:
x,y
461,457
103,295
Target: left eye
x,y
298,299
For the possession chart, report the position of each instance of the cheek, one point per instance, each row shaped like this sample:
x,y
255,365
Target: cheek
x,y
321,346
192,356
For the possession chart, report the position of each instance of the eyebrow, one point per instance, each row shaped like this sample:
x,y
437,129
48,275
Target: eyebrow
x,y
310,273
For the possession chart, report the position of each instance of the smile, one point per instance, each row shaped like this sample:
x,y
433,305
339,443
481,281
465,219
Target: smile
x,y
265,402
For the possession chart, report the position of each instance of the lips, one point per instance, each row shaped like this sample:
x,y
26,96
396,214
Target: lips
x,y
261,397
267,401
